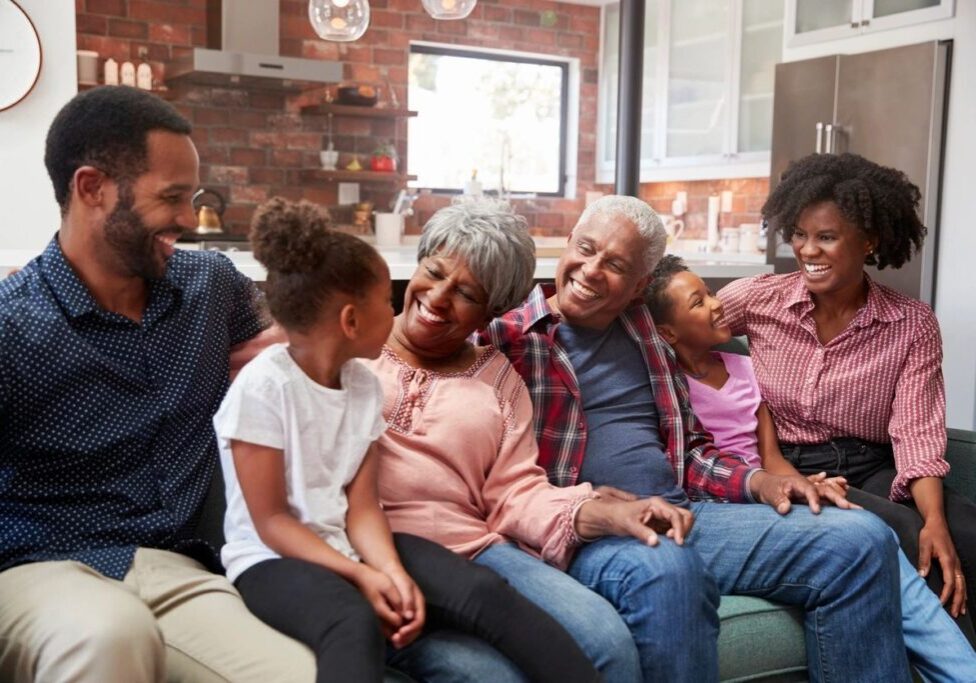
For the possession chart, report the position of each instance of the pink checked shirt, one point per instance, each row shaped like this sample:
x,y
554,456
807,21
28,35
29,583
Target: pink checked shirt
x,y
879,380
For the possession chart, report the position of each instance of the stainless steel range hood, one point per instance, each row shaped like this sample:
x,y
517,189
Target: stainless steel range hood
x,y
242,51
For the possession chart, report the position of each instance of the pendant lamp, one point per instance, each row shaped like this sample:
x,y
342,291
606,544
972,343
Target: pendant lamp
x,y
449,9
340,20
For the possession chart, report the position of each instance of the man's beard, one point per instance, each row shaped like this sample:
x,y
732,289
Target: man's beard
x,y
132,241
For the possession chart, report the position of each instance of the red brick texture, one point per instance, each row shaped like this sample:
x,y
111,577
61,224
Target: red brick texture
x,y
255,144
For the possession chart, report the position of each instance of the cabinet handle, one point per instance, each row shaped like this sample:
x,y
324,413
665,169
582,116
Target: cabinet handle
x,y
865,22
829,129
819,148
855,24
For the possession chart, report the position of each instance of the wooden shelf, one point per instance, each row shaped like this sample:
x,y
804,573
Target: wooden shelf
x,y
349,110
376,177
163,93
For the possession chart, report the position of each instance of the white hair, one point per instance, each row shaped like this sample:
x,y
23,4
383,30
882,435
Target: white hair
x,y
492,240
644,218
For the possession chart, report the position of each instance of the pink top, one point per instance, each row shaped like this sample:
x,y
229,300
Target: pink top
x,y
729,413
879,380
458,461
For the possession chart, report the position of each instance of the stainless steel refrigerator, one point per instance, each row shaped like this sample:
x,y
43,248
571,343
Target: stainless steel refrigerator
x,y
888,106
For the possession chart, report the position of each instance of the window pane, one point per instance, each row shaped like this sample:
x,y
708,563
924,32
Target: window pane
x,y
812,15
610,79
698,78
762,42
884,8
500,118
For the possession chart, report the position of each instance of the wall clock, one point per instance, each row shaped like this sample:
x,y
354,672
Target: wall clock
x,y
20,54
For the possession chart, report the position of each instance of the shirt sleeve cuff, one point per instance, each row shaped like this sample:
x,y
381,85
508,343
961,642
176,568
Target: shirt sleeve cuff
x,y
746,488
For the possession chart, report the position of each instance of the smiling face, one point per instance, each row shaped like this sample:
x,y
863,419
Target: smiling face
x,y
696,319
443,304
152,211
601,271
829,250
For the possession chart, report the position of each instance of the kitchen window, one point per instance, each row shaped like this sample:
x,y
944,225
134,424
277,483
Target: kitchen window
x,y
499,116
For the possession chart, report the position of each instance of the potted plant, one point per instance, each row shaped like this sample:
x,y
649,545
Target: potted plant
x,y
384,158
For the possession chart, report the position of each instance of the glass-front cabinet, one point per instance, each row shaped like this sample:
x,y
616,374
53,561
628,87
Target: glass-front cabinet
x,y
815,21
707,88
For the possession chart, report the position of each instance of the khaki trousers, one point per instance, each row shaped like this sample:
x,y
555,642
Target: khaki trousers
x,y
168,620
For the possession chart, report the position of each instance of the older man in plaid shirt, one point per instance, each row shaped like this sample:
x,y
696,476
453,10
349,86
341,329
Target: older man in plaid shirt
x,y
610,409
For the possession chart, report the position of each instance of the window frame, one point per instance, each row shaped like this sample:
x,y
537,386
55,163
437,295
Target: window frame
x,y
520,58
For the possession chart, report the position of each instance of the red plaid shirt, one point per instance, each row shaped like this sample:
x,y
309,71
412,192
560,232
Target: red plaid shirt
x,y
527,335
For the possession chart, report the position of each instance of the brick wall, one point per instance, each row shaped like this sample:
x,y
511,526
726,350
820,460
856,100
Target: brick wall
x,y
255,144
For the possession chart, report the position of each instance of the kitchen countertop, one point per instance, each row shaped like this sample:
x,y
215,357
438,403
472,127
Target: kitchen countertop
x,y
402,261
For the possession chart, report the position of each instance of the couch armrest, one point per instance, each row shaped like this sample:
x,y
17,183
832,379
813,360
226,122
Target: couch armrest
x,y
961,454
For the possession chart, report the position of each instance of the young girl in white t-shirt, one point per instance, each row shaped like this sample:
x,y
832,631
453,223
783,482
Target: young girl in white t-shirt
x,y
307,543
724,395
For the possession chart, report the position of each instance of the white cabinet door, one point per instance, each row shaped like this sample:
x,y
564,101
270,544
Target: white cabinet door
x,y
817,21
707,88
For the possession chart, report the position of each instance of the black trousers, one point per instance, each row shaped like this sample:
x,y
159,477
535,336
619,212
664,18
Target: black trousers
x,y
317,607
870,470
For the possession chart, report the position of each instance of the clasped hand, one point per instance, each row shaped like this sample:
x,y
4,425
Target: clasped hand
x,y
397,601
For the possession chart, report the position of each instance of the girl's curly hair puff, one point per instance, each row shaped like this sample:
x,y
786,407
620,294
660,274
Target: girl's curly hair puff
x,y
307,261
882,202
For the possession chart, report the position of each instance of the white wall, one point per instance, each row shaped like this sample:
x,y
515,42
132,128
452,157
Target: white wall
x,y
30,214
955,301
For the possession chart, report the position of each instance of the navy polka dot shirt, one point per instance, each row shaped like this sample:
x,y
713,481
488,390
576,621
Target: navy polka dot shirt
x,y
106,441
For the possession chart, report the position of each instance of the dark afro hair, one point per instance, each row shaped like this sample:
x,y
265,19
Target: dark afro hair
x,y
307,261
882,202
655,295
106,127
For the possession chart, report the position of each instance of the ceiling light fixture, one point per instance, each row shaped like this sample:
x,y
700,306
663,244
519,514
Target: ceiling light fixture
x,y
449,9
347,20
339,20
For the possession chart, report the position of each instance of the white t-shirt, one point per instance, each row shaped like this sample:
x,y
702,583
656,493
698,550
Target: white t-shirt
x,y
324,435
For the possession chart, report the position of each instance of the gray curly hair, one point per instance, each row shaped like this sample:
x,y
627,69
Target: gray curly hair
x,y
494,243
648,223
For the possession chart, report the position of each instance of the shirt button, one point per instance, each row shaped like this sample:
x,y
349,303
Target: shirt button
x,y
573,470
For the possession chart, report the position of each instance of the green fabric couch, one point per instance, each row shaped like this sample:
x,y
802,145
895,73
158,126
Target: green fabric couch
x,y
762,641
759,640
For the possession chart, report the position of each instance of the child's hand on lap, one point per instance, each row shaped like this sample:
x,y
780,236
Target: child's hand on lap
x,y
383,595
413,609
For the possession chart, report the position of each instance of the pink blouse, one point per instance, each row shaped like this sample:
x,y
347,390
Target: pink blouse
x,y
458,461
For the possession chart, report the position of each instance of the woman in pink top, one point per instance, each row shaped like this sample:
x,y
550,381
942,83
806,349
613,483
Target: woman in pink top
x,y
852,369
458,462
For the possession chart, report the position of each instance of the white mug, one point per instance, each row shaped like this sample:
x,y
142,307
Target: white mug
x,y
673,226
389,227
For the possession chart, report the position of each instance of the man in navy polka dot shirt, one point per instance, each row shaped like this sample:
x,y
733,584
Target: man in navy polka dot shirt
x,y
115,350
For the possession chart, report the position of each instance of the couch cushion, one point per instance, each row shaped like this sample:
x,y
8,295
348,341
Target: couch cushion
x,y
760,641
961,454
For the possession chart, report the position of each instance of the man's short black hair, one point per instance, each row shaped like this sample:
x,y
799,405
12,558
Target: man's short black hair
x,y
106,127
882,202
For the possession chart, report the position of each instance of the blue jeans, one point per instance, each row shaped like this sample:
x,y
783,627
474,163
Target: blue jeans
x,y
936,647
841,566
592,621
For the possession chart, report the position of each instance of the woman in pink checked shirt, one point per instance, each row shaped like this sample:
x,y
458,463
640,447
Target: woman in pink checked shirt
x,y
850,369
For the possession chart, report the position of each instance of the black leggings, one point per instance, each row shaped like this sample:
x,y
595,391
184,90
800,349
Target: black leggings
x,y
870,469
317,607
